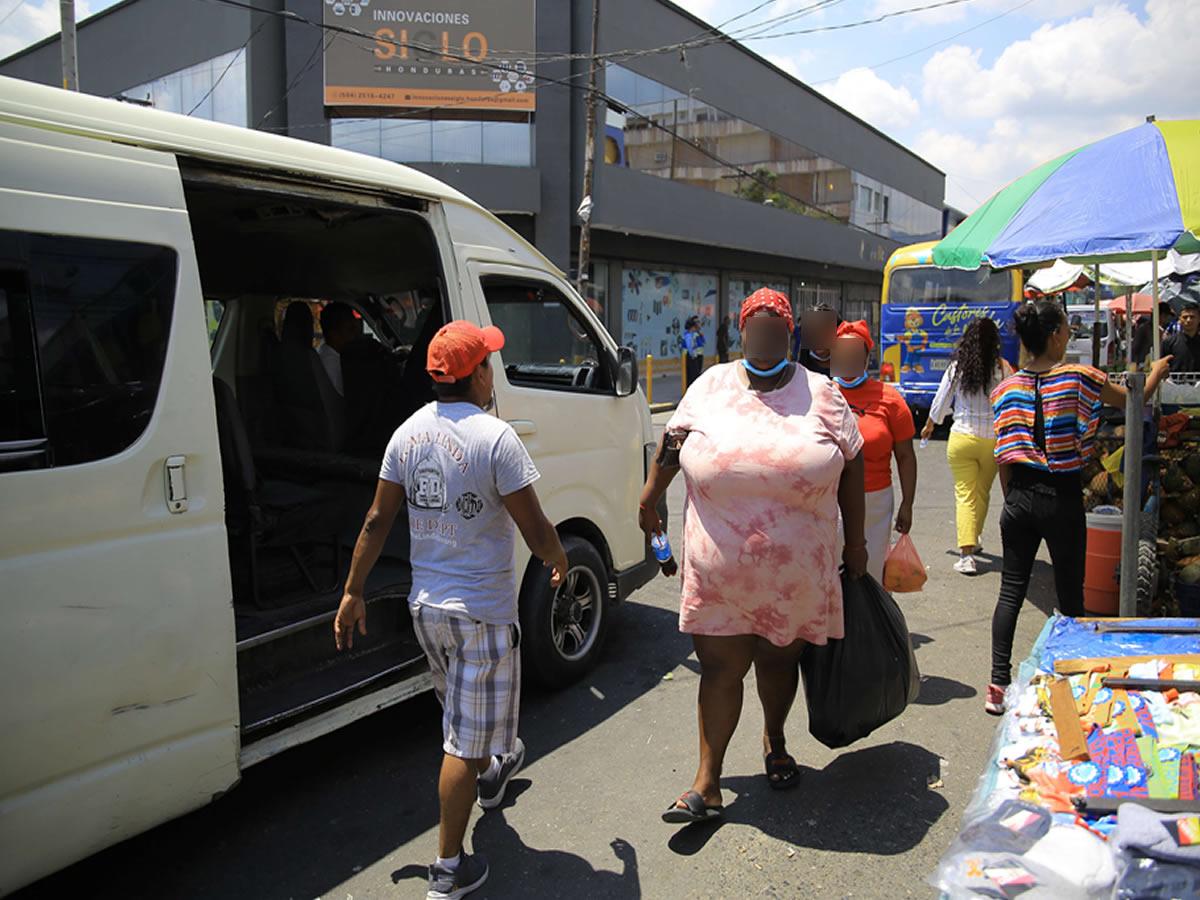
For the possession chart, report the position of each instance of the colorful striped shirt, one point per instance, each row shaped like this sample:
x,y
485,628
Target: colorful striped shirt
x,y
1070,413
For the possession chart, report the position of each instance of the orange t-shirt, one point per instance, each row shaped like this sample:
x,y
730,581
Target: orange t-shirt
x,y
883,419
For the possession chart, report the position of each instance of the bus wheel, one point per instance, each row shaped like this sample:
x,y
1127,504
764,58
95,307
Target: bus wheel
x,y
563,629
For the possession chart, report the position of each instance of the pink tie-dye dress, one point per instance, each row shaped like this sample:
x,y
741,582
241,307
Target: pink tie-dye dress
x,y
760,531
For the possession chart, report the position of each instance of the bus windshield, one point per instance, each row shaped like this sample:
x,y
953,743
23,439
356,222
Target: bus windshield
x,y
927,284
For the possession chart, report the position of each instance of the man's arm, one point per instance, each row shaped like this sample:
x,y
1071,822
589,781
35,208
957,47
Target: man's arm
x,y
389,498
539,533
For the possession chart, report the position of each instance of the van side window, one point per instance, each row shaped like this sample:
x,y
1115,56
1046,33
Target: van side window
x,y
83,338
547,344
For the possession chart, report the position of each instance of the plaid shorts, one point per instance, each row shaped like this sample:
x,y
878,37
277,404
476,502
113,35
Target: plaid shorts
x,y
476,670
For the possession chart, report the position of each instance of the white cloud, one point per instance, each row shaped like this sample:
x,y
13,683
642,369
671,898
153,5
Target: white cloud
x,y
792,63
873,99
1064,86
34,20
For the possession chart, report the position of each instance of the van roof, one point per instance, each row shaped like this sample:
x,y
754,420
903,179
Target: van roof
x,y
42,106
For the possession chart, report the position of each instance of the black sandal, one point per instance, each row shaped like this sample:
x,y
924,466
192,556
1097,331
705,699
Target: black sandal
x,y
782,771
694,809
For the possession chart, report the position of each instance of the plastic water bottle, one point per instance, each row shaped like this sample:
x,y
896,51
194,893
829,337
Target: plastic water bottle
x,y
662,552
924,442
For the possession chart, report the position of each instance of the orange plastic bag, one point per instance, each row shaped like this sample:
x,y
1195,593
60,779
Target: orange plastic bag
x,y
903,571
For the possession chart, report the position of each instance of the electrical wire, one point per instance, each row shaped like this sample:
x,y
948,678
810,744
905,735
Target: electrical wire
x,y
938,43
614,103
221,77
9,14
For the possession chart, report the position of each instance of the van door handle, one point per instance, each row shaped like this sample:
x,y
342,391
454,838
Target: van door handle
x,y
175,484
523,426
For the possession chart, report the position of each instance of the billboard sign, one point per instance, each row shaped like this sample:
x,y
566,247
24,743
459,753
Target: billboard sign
x,y
430,54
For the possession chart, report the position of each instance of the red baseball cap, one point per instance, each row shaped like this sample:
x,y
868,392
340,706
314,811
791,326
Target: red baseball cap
x,y
859,329
458,348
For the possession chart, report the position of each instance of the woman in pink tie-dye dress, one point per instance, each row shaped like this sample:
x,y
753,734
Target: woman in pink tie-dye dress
x,y
768,449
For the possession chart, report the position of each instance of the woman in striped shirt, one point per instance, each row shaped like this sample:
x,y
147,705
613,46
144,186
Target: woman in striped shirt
x,y
1046,418
975,370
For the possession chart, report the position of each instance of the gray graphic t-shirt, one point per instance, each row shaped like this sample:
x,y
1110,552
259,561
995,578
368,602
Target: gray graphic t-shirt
x,y
455,462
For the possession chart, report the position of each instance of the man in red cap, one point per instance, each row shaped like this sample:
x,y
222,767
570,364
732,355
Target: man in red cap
x,y
466,478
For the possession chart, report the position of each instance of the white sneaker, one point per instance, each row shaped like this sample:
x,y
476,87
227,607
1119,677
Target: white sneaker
x,y
966,566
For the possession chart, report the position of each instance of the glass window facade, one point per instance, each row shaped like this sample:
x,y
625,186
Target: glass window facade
x,y
739,288
655,305
782,173
437,141
215,89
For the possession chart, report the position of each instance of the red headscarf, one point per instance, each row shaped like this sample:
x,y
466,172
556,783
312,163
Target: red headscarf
x,y
859,329
765,298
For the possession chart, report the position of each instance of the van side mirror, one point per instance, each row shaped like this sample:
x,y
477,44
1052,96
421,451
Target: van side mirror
x,y
627,373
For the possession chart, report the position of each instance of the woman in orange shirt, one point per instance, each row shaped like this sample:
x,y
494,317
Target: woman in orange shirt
x,y
887,429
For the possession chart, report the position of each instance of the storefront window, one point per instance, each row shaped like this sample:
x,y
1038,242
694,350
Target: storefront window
x,y
214,89
739,289
440,141
656,306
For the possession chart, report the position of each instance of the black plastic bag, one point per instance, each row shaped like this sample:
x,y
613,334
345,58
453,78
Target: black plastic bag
x,y
864,680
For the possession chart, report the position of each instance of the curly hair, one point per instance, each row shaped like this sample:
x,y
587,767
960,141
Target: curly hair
x,y
978,356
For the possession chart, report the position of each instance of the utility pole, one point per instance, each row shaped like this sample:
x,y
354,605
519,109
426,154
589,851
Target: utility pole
x,y
589,163
70,64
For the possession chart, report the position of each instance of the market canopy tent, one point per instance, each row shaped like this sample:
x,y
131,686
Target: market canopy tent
x,y
1063,275
1116,200
1143,304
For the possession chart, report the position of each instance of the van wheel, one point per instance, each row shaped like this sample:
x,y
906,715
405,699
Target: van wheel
x,y
562,631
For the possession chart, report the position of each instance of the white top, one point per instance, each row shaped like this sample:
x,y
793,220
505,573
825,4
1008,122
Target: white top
x,y
456,463
972,411
332,361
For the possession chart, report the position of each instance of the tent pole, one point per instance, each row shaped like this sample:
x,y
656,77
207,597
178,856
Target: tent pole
x,y
1129,328
1135,384
1096,320
1154,291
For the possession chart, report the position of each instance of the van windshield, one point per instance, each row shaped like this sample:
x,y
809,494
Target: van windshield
x,y
929,284
1081,319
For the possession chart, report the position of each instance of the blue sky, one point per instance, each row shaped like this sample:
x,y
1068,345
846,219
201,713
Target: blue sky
x,y
1008,84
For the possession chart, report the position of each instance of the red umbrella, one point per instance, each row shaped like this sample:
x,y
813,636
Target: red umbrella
x,y
1142,303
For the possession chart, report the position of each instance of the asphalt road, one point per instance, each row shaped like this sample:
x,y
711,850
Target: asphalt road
x,y
354,814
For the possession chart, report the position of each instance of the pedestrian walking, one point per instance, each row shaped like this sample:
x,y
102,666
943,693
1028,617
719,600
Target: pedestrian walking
x,y
723,338
692,343
1046,417
975,369
812,350
887,429
770,453
466,479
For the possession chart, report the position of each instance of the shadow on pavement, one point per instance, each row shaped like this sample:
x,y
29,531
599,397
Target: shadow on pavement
x,y
310,819
518,870
874,800
936,690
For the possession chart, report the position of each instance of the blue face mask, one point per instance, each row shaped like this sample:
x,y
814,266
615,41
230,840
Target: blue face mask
x,y
765,373
850,384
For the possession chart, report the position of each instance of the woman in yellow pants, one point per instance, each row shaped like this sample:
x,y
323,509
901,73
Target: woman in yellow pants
x,y
975,369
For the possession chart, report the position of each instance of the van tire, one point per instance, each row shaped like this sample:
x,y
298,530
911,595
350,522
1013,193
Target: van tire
x,y
546,611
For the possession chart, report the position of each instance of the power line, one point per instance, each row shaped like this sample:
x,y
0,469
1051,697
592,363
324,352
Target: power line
x,y
9,14
616,104
225,72
957,34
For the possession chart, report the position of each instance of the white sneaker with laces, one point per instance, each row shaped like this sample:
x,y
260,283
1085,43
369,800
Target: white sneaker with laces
x,y
966,566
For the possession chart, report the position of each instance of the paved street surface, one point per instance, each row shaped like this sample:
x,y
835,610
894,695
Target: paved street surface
x,y
354,814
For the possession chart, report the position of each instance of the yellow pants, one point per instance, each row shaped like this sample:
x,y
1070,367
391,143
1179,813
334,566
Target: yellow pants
x,y
974,469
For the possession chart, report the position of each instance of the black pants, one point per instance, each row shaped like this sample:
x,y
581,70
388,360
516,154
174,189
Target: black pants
x,y
1039,506
695,365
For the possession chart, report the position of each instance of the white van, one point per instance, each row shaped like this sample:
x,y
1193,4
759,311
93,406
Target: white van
x,y
179,501
1081,319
